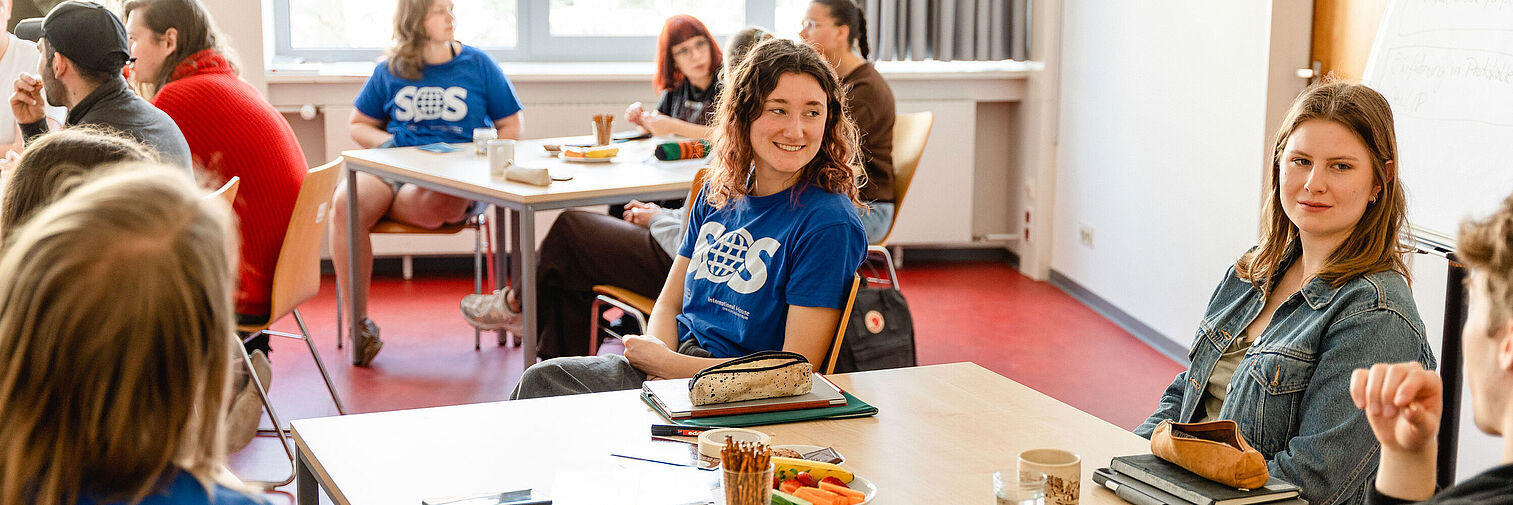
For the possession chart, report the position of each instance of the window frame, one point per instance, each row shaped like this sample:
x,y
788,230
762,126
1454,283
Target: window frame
x,y
535,41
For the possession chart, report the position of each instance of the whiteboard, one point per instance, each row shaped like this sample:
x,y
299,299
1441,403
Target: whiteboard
x,y
1446,66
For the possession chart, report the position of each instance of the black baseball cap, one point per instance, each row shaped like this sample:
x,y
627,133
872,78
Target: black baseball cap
x,y
86,32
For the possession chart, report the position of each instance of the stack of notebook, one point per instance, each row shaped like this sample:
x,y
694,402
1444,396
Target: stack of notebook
x,y
1149,480
824,401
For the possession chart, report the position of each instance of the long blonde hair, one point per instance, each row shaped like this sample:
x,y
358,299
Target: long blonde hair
x,y
1373,245
407,55
115,340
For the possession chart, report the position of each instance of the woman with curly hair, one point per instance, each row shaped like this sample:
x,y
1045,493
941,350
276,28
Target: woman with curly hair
x,y
773,238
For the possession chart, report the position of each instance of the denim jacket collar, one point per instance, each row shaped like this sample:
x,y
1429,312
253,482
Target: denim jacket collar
x,y
1318,293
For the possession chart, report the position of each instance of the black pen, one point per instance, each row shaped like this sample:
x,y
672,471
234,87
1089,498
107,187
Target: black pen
x,y
672,430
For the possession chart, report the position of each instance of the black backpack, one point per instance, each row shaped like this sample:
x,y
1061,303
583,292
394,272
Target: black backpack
x,y
880,333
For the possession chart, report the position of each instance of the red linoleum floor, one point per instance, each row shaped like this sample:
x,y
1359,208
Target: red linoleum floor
x,y
984,312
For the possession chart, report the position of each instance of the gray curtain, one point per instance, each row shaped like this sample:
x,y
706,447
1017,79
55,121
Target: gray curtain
x,y
948,29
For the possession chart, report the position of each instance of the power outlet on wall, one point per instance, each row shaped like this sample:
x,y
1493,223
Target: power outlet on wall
x,y
1086,234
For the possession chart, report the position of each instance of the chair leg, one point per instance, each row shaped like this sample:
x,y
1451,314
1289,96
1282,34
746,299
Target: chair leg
x,y
283,437
340,322
341,409
594,315
407,267
477,274
319,364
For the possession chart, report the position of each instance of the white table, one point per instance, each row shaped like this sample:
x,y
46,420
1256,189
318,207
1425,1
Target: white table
x,y
940,433
633,174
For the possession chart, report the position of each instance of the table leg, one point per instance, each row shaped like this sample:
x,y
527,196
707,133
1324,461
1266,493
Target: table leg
x,y
354,296
527,286
514,266
304,482
504,258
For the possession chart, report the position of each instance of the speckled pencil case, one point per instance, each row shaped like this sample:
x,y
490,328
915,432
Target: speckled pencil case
x,y
767,374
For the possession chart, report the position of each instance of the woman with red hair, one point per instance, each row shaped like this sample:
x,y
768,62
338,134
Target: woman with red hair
x,y
688,76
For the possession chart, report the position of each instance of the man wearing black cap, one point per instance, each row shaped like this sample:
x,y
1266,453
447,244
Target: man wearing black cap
x,y
84,47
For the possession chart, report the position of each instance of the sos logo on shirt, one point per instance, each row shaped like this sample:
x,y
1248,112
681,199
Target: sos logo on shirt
x,y
721,257
425,103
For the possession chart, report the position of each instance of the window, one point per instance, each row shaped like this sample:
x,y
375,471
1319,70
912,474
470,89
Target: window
x,y
515,30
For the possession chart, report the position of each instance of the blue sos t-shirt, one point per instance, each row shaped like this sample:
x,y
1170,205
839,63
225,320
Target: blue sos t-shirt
x,y
759,254
445,105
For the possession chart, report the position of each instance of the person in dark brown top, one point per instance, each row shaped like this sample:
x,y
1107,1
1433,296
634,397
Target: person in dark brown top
x,y
838,29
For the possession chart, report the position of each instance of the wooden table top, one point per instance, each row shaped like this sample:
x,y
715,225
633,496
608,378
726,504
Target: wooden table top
x,y
940,433
632,172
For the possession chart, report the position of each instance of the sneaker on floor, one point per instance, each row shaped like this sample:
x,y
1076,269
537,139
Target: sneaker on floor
x,y
247,407
366,343
263,369
492,312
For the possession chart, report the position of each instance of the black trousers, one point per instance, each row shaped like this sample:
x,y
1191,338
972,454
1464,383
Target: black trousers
x,y
584,249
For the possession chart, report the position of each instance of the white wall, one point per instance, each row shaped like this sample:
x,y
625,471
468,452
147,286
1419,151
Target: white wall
x,y
1162,117
242,22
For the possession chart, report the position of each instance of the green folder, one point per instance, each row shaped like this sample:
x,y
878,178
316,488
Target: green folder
x,y
853,408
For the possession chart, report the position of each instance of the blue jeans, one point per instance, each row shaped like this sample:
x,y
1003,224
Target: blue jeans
x,y
576,375
877,221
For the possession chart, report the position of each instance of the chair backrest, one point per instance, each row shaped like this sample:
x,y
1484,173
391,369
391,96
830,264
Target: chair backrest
x,y
840,331
698,183
227,191
297,276
693,193
910,132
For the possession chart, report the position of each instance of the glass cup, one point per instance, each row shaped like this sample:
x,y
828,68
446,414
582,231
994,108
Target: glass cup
x,y
481,138
748,488
1019,488
501,156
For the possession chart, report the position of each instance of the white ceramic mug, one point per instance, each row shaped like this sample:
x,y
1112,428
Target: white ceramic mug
x,y
1063,473
501,156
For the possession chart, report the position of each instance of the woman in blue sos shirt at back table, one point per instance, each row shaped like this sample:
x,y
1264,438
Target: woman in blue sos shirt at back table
x,y
773,239
430,89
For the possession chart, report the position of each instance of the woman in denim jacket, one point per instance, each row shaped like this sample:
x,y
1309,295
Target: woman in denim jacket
x,y
1325,292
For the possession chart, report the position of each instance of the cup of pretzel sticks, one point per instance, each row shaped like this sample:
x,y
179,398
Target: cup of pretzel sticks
x,y
748,473
603,132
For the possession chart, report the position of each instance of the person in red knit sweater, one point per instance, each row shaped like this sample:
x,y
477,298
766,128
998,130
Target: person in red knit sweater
x,y
232,131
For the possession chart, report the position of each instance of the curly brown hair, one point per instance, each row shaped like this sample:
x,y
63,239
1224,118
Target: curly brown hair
x,y
1486,246
837,166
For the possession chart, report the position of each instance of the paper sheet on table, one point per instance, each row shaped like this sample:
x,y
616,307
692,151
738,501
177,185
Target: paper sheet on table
x,y
665,451
641,484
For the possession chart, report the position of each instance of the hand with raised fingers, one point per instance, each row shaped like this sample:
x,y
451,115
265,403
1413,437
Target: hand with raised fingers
x,y
1403,403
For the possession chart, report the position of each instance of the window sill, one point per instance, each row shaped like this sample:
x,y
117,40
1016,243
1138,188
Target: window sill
x,y
357,72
